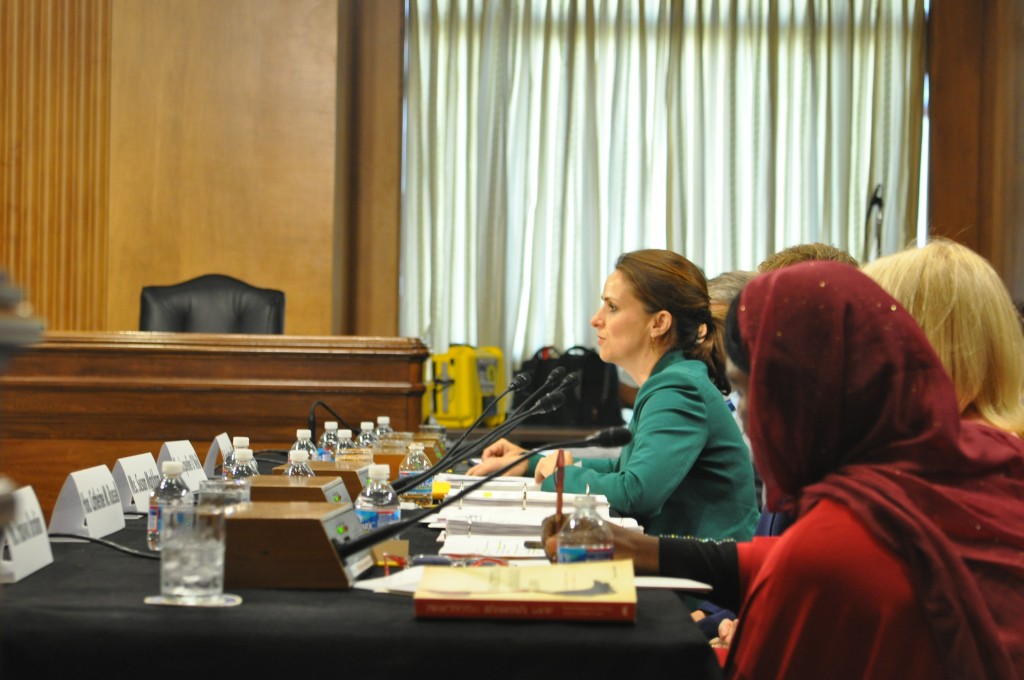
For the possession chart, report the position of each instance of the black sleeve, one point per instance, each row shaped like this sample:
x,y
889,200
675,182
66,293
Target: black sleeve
x,y
713,563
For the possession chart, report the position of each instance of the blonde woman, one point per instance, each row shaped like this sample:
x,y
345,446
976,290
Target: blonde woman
x,y
970,319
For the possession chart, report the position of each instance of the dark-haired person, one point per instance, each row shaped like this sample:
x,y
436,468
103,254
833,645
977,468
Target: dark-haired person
x,y
907,556
687,470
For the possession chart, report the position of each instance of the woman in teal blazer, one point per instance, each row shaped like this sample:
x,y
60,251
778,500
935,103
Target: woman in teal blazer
x,y
687,471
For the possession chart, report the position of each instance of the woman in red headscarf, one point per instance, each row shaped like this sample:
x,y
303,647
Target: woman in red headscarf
x,y
907,557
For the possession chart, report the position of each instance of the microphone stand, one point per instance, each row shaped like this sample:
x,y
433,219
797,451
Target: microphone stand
x,y
312,417
365,541
521,381
494,435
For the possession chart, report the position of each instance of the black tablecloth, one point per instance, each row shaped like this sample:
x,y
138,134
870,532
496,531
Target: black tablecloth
x,y
84,614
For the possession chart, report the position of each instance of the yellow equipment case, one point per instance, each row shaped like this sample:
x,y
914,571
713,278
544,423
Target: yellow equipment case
x,y
465,380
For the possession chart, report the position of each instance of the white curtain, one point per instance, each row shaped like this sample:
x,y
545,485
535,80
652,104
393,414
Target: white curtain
x,y
545,138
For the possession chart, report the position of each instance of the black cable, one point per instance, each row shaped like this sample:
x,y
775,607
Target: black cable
x,y
109,544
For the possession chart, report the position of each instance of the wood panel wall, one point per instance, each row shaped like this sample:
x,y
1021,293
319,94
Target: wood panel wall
x,y
222,149
54,155
150,142
977,130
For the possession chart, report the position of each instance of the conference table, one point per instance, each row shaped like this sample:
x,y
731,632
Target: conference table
x,y
85,614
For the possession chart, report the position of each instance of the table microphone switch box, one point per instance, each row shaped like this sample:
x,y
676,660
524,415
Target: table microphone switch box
x,y
291,545
331,489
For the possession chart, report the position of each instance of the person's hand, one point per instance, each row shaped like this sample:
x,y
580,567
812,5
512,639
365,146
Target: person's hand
x,y
629,545
549,535
546,466
495,457
726,631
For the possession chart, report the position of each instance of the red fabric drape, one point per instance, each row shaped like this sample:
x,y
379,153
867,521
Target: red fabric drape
x,y
848,401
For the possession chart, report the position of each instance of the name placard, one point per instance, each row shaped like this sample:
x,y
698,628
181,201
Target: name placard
x,y
221,446
182,451
25,546
88,504
135,476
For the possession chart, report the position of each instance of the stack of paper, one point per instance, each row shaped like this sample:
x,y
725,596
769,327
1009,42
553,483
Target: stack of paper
x,y
546,499
504,521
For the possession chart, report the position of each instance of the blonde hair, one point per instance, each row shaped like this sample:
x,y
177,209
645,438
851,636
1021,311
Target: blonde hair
x,y
969,318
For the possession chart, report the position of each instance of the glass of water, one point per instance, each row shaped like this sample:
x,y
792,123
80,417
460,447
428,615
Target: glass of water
x,y
192,559
224,495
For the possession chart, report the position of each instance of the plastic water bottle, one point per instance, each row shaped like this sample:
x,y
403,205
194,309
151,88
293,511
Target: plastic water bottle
x,y
367,438
383,427
416,461
229,460
585,537
304,442
328,444
245,465
344,441
171,490
377,505
297,465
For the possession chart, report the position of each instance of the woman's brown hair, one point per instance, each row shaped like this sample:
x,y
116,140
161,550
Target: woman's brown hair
x,y
664,280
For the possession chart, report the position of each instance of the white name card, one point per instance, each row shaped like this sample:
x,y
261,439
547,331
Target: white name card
x,y
88,505
135,476
221,446
25,545
182,451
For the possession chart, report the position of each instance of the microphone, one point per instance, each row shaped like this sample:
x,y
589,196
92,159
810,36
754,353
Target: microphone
x,y
615,436
550,402
875,202
312,418
520,382
876,198
554,376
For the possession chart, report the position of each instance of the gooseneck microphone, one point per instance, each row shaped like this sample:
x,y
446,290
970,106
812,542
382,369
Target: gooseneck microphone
x,y
519,382
456,454
548,386
614,436
546,404
312,418
874,204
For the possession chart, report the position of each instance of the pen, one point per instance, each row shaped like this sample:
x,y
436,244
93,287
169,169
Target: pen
x,y
559,485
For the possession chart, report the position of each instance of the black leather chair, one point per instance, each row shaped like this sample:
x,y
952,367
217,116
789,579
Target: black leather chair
x,y
212,303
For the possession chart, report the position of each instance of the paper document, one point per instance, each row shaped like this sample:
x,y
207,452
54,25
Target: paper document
x,y
503,520
671,583
504,547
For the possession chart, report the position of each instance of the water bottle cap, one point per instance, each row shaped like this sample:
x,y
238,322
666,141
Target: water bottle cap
x,y
243,455
345,434
383,420
240,442
366,425
297,456
331,425
380,471
172,467
303,434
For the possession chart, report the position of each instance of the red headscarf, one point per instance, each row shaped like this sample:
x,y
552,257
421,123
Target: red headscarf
x,y
848,401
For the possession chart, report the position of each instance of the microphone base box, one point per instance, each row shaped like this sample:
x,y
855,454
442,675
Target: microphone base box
x,y
278,488
352,474
290,545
